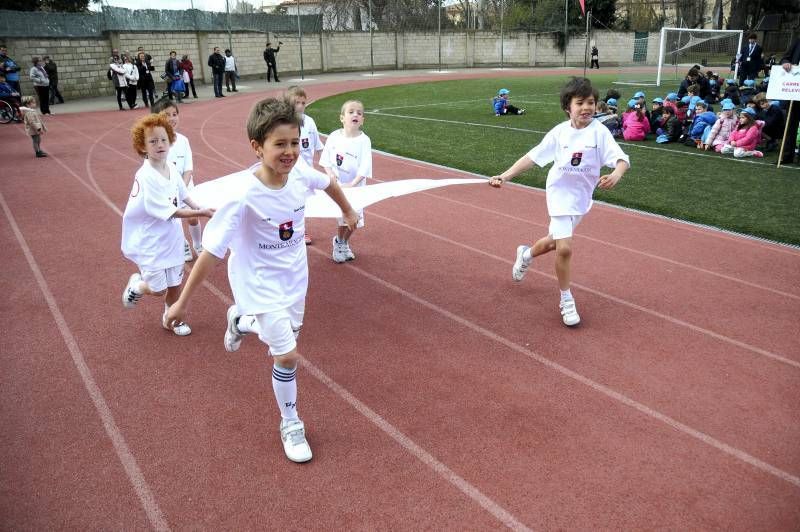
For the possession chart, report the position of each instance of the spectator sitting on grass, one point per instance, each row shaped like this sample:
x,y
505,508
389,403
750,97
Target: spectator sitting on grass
x,y
655,114
670,131
607,115
635,125
501,105
747,91
703,121
744,138
732,91
722,128
773,118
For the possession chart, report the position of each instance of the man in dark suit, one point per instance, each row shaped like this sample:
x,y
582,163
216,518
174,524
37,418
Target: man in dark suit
x,y
272,63
217,63
791,58
751,59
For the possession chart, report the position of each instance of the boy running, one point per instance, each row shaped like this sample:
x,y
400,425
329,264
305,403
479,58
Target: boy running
x,y
263,225
578,148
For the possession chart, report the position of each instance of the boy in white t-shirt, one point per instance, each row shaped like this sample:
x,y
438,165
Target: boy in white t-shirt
x,y
180,155
578,148
347,157
152,235
310,143
262,223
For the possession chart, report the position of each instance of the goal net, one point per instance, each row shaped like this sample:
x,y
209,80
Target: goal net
x,y
665,58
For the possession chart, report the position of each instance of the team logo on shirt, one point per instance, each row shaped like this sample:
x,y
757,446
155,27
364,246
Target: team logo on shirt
x,y
285,230
304,143
576,158
339,159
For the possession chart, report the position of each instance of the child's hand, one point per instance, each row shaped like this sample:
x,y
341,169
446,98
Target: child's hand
x,y
496,181
176,313
351,219
608,181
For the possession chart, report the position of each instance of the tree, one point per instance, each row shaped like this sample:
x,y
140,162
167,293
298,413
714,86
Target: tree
x,y
65,6
690,12
745,14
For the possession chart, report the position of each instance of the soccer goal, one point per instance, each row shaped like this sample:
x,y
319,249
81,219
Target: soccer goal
x,y
653,59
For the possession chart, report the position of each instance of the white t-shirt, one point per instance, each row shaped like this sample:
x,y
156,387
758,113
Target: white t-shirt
x,y
577,156
180,154
151,237
349,157
264,229
230,63
309,140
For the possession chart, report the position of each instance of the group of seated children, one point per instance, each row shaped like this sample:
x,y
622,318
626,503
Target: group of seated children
x,y
691,119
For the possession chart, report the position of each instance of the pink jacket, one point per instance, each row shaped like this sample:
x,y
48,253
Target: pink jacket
x,y
721,131
747,139
634,127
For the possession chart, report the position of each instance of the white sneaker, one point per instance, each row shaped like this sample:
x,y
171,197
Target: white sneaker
x,y
338,253
180,328
187,252
131,295
293,436
348,253
233,337
520,265
569,314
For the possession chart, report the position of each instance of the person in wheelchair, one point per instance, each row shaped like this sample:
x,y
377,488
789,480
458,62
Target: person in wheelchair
x,y
10,96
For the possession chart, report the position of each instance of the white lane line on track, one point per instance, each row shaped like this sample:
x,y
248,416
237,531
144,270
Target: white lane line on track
x,y
126,458
596,386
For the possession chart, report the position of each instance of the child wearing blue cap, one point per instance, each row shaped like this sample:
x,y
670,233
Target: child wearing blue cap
x,y
748,91
578,148
703,121
732,91
746,136
501,105
635,125
607,115
722,128
655,113
774,121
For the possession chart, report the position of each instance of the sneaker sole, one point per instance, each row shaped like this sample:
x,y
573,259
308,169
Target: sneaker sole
x,y
230,316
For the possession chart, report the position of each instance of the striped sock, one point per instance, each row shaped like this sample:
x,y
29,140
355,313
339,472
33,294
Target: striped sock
x,y
284,384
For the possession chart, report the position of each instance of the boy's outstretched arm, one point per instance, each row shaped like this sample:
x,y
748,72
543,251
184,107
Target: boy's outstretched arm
x,y
523,164
334,191
610,180
202,268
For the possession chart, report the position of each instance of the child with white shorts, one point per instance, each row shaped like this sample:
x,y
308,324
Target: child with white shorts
x,y
578,148
347,157
180,155
152,235
263,224
310,142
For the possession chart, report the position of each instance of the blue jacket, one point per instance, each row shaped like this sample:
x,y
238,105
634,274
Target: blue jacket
x,y
702,120
499,105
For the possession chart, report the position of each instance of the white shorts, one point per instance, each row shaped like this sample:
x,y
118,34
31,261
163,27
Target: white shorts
x,y
158,280
360,223
563,226
280,329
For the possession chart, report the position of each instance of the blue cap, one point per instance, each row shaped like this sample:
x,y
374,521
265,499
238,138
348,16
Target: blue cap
x,y
730,81
749,83
632,103
503,91
727,106
612,102
726,100
639,94
776,103
658,100
685,99
750,111
712,82
672,96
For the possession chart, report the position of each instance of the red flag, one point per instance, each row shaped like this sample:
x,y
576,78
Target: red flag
x,y
583,6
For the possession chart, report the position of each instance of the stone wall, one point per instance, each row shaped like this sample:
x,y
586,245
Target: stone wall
x,y
82,63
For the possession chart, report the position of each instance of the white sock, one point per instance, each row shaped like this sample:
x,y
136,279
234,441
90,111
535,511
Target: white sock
x,y
247,324
527,255
284,384
196,232
566,295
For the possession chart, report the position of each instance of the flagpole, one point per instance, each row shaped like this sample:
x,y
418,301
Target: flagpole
x,y
586,45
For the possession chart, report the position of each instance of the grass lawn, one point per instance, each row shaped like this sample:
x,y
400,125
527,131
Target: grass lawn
x,y
451,123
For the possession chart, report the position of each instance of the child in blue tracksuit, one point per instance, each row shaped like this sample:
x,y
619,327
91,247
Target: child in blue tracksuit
x,y
701,125
501,105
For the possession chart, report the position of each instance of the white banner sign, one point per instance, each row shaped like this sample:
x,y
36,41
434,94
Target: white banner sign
x,y
784,85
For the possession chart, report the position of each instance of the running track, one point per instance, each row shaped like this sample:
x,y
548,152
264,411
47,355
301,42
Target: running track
x,y
437,393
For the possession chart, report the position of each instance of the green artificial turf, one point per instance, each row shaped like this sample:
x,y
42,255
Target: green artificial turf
x,y
452,123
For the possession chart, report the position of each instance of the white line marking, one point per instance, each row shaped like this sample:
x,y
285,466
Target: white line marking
x,y
615,299
526,130
135,476
605,390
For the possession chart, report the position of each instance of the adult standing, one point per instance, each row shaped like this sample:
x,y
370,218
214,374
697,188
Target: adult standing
x,y
146,83
272,63
217,63
10,68
52,72
595,58
117,73
41,84
791,58
751,59
188,69
231,71
131,80
172,68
